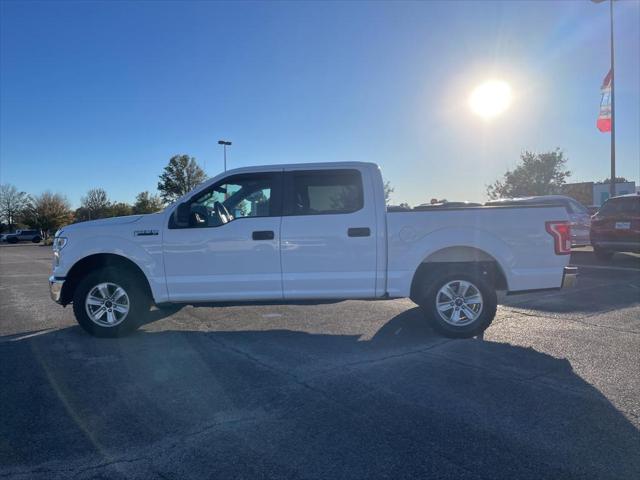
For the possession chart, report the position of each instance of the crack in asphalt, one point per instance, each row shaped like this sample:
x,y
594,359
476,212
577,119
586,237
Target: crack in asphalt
x,y
575,320
106,465
79,471
372,361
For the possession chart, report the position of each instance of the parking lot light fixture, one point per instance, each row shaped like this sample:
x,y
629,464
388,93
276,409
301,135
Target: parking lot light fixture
x,y
225,144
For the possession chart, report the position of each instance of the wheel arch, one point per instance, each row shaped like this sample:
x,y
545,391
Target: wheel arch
x,y
453,258
101,260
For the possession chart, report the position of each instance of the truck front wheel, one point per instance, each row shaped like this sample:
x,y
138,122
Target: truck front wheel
x,y
109,303
459,304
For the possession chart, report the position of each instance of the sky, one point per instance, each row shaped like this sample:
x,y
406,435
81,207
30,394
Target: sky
x,y
102,94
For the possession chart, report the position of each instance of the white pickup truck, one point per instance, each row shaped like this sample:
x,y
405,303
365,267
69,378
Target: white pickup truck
x,y
307,231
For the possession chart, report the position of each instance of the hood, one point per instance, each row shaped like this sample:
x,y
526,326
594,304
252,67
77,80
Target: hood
x,y
102,222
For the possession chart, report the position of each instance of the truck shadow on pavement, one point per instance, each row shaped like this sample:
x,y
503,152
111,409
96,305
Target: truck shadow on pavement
x,y
282,403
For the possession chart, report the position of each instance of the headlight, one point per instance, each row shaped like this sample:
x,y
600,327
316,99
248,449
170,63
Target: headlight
x,y
59,243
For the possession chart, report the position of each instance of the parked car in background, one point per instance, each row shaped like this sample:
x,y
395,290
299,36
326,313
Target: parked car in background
x,y
616,226
24,236
579,216
398,208
446,204
431,206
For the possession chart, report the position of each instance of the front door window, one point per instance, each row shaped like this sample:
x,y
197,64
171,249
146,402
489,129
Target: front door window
x,y
233,198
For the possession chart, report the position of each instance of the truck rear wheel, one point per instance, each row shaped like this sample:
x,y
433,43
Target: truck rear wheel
x,y
109,303
459,304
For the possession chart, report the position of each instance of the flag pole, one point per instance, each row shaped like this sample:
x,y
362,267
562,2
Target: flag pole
x,y
612,185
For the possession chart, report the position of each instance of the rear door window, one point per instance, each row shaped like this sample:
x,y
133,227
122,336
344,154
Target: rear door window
x,y
324,192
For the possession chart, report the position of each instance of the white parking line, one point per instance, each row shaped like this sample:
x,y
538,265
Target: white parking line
x,y
29,335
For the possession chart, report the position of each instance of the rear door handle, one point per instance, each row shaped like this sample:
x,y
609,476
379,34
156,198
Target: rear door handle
x,y
359,232
263,235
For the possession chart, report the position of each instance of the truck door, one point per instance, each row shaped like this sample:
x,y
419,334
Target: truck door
x,y
230,247
328,235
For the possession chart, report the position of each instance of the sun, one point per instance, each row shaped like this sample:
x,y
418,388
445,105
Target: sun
x,y
490,99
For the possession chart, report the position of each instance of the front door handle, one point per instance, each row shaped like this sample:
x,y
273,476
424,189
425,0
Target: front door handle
x,y
263,235
359,232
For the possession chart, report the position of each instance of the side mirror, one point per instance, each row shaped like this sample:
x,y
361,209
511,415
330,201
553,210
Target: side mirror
x,y
182,213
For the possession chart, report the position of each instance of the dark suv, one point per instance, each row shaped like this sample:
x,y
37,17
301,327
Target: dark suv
x,y
616,226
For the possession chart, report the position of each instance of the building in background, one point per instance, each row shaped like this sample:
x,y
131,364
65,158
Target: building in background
x,y
582,192
594,193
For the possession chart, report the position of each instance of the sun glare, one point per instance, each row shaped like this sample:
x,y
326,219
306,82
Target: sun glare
x,y
490,99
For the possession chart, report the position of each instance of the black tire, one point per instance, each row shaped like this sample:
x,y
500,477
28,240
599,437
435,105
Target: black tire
x,y
139,302
601,254
36,239
428,300
12,240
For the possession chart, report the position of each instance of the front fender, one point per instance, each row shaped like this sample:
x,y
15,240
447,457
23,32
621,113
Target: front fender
x,y
145,252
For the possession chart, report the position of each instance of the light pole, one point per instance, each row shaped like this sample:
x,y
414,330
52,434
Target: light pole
x,y
612,184
224,144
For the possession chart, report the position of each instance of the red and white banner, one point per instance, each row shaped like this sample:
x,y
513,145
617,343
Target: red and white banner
x,y
604,118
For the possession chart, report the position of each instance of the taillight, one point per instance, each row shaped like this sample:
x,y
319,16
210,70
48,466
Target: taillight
x,y
561,233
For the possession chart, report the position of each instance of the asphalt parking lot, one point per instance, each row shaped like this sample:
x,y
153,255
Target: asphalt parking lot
x,y
347,390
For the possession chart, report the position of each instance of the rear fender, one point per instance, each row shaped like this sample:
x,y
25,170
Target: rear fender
x,y
445,246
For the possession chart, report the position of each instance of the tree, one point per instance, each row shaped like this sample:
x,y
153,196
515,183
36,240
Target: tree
x,y
147,203
12,203
536,174
48,212
388,190
120,209
180,176
81,214
95,204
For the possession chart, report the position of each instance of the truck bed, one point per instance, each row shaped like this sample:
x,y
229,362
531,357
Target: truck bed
x,y
512,236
